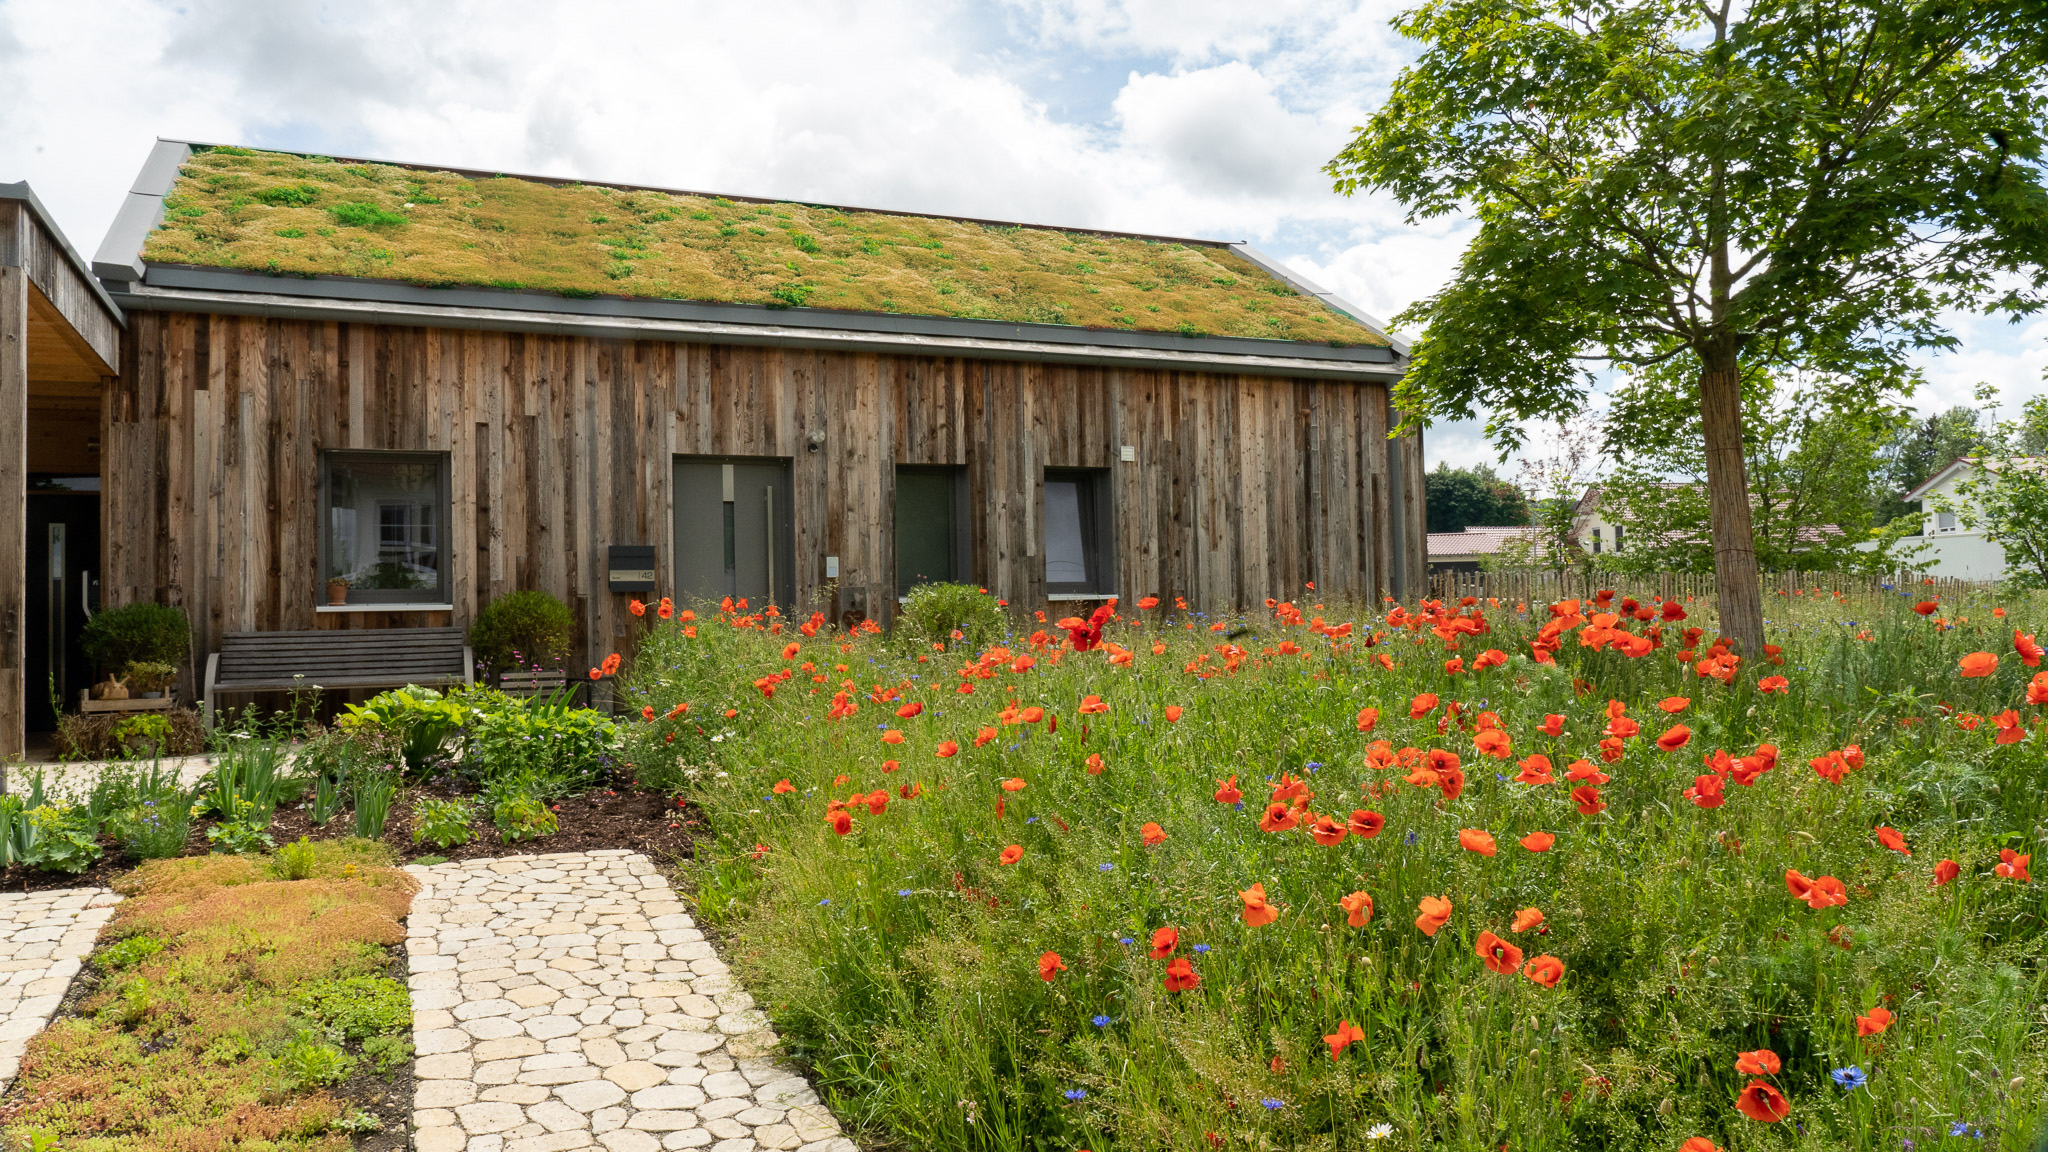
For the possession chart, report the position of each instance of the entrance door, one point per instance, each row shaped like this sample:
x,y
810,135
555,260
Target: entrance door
x,y
63,584
735,529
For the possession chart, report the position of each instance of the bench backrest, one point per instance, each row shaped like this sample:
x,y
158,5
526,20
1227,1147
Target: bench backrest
x,y
397,654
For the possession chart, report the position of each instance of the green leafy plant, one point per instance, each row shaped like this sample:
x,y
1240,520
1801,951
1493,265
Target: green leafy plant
x,y
932,613
522,629
248,781
150,675
153,828
358,1007
143,631
63,839
289,195
555,749
143,734
371,799
311,1062
421,719
442,823
241,834
355,214
296,860
522,816
128,952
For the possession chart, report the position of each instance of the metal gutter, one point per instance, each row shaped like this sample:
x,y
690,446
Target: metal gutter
x,y
119,259
22,192
1307,287
663,320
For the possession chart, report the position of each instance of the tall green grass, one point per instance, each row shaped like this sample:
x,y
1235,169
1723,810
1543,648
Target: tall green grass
x,y
900,961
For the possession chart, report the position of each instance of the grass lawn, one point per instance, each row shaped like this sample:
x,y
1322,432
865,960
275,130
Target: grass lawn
x,y
241,1003
1319,877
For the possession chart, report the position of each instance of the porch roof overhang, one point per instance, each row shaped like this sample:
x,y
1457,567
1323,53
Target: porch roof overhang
x,y
74,326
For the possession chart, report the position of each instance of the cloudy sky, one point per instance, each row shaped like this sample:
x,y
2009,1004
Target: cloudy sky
x,y
1196,117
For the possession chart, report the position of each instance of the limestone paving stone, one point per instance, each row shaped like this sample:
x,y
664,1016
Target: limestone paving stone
x,y
44,940
567,1002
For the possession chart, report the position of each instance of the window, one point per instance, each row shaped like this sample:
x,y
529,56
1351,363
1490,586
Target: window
x,y
1944,521
1077,531
1596,541
384,525
1617,537
931,526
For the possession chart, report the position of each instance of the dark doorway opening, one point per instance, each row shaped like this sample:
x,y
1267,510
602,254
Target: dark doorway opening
x,y
62,593
931,526
735,530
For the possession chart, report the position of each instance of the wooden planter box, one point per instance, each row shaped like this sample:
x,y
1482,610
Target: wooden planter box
x,y
162,703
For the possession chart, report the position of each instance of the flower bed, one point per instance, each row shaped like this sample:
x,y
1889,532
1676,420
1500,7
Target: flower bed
x,y
1464,876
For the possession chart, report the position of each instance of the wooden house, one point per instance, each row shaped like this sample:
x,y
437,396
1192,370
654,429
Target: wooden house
x,y
355,394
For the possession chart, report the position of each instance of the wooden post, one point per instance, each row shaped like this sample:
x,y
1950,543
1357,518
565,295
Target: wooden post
x,y
13,491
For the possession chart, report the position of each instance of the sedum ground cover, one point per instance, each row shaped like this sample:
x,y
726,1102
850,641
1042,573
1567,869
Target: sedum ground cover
x,y
235,993
1473,876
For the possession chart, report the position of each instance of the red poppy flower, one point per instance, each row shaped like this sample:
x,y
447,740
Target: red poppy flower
x,y
892,736
1343,1037
1367,717
1421,705
1493,742
1876,1021
890,766
1553,725
1770,684
1545,970
1164,941
1946,871
1095,764
1278,818
946,749
1147,603
1588,799
1699,1143
841,822
1357,909
1674,738
636,608
1538,841
667,609
1327,832
1535,770
1498,954
1227,793
1257,913
1890,838
1011,855
1152,834
1978,664
1173,713
2012,865
908,710
1526,919
1032,715
877,802
1674,704
1436,912
782,786
1049,966
1181,976
2037,689
1819,892
1622,728
1474,840
1762,1103
1091,705
611,664
1762,1062
1831,767
2030,652
1365,823
1927,607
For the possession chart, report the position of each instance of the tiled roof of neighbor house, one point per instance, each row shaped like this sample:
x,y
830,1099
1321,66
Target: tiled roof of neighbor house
x,y
297,215
1962,463
1475,541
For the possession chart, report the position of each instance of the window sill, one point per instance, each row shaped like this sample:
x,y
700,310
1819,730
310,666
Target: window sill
x,y
394,607
1056,597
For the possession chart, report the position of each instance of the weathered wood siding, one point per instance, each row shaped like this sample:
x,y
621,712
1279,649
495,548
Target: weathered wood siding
x,y
1244,487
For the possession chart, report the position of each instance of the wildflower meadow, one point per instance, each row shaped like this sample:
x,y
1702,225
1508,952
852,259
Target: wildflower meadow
x,y
1478,875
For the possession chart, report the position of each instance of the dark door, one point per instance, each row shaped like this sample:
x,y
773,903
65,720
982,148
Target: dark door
x,y
930,544
63,583
735,530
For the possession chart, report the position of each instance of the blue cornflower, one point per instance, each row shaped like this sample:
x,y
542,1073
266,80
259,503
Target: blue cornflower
x,y
1409,839
903,891
1124,940
1963,1128
1313,765
1031,819
1077,1093
1105,867
1273,1105
1201,947
1099,1021
822,903
1850,1078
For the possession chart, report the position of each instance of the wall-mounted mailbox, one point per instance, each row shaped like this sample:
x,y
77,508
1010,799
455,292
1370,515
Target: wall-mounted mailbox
x,y
631,568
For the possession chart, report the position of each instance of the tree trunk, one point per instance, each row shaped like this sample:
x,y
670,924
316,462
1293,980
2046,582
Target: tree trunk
x,y
1738,591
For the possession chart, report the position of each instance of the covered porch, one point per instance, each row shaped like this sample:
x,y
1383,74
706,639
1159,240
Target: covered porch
x,y
60,341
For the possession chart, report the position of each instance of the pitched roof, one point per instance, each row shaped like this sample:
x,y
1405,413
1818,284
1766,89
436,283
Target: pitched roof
x,y
1479,541
295,215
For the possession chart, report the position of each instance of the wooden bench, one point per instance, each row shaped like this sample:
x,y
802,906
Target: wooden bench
x,y
351,658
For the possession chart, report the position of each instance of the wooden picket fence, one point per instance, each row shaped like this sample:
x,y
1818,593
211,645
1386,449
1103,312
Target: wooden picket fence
x,y
1547,587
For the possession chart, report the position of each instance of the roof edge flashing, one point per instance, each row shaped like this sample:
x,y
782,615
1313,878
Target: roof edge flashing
x,y
119,259
21,191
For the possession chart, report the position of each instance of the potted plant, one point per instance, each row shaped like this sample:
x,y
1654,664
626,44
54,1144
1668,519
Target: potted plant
x,y
146,632
337,590
151,678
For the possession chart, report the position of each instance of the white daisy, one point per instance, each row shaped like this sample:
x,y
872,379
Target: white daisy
x,y
1379,1131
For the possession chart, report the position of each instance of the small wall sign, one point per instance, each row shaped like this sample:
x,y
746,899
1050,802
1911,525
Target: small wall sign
x,y
631,568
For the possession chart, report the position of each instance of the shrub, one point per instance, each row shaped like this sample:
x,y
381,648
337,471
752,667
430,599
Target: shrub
x,y
149,675
143,631
555,748
442,823
63,839
420,719
522,629
522,816
932,613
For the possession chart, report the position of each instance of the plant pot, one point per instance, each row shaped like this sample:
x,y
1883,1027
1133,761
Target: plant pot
x,y
337,595
151,695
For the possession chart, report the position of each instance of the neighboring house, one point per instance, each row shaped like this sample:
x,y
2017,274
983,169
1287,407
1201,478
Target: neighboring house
x,y
443,386
1593,532
1947,547
1469,549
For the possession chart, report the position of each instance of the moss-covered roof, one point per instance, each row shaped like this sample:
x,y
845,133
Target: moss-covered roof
x,y
308,215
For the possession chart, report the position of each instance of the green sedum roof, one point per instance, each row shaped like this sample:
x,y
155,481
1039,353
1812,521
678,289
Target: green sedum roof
x,y
307,215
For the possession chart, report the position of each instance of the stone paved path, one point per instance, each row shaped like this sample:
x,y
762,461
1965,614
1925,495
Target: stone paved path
x,y
44,940
567,1001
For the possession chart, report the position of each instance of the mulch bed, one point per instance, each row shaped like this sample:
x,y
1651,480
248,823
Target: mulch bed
x,y
622,817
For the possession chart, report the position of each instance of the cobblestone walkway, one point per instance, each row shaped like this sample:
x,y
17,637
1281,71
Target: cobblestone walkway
x,y
44,940
567,1002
